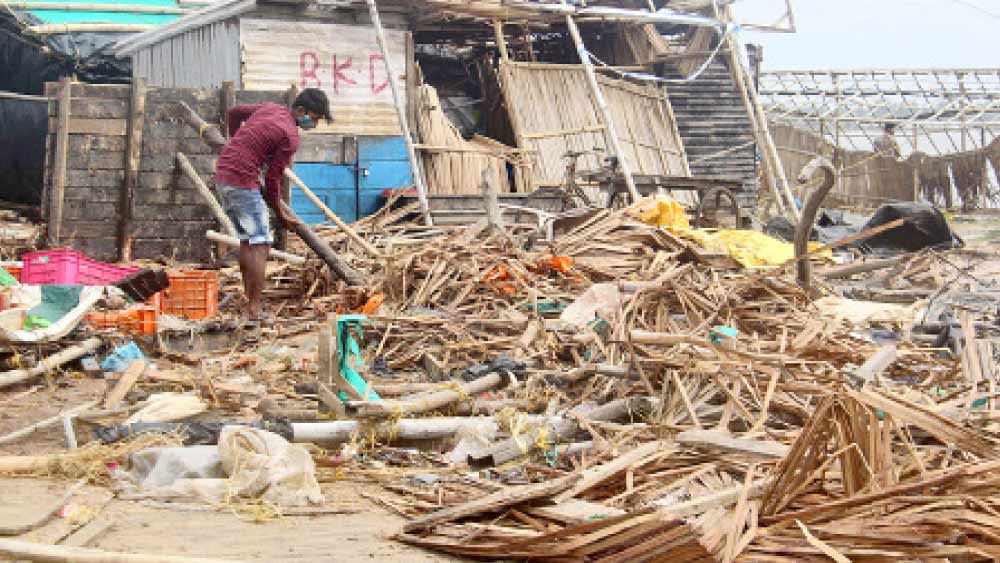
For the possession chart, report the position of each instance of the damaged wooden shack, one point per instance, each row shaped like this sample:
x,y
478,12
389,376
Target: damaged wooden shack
x,y
486,89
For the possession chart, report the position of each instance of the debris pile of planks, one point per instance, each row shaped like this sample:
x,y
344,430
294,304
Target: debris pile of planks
x,y
672,408
614,394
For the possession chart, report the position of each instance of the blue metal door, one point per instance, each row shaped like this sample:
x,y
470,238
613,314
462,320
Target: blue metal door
x,y
354,190
336,185
382,165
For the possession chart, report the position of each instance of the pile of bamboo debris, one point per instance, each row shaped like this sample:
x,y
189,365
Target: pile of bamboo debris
x,y
655,434
617,394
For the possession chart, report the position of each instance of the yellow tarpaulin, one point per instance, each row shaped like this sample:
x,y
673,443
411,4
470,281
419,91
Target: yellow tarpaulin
x,y
752,249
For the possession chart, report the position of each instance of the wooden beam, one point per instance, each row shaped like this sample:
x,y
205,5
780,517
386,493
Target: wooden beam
x,y
57,28
58,188
24,550
233,242
133,157
598,474
351,233
722,441
602,106
16,376
125,384
206,194
418,179
491,503
87,7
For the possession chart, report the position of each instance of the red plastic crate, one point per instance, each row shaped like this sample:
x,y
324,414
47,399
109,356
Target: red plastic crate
x,y
193,294
69,267
139,320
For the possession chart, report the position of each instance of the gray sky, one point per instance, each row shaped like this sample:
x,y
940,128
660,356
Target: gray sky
x,y
878,33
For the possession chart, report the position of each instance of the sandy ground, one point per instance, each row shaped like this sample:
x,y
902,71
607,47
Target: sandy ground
x,y
145,529
149,530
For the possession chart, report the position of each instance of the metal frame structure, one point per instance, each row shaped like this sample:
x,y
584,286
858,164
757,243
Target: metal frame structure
x,y
937,111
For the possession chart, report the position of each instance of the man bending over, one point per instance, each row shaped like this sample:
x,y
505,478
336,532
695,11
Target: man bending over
x,y
263,139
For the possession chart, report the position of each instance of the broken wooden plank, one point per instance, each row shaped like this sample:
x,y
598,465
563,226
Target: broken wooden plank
x,y
723,442
125,384
510,496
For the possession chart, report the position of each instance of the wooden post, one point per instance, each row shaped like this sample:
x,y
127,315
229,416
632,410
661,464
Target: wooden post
x,y
411,82
602,105
227,103
280,230
762,133
58,188
501,40
133,157
491,200
206,194
418,178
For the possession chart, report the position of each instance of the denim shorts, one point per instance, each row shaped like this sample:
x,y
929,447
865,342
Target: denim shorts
x,y
248,212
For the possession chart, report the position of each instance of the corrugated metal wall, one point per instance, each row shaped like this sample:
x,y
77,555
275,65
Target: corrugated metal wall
x,y
200,58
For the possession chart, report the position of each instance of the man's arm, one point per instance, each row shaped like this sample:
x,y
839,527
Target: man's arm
x,y
237,115
276,172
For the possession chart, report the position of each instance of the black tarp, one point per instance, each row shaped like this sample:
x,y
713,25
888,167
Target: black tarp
x,y
25,66
925,227
23,125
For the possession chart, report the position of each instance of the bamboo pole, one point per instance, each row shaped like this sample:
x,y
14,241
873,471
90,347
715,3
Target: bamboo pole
x,y
351,233
762,132
418,178
13,377
51,421
233,242
97,7
24,550
602,105
55,28
206,194
426,402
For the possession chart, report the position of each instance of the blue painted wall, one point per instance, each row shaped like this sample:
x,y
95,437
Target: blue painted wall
x,y
354,190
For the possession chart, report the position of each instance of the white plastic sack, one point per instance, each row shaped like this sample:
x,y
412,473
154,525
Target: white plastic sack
x,y
259,462
191,473
169,407
601,300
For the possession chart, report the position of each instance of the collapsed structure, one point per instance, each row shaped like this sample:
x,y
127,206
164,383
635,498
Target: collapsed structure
x,y
514,333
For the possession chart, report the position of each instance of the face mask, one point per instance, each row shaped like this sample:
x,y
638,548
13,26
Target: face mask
x,y
305,122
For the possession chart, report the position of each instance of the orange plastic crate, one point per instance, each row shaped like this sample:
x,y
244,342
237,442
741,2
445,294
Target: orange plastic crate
x,y
140,320
14,271
193,294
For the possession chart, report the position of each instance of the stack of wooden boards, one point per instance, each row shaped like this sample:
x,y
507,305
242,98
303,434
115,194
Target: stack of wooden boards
x,y
772,429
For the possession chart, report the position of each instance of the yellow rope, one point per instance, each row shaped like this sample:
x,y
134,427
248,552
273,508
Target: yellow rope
x,y
201,130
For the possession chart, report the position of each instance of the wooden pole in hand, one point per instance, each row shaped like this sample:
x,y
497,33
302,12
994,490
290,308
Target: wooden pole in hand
x,y
418,179
367,246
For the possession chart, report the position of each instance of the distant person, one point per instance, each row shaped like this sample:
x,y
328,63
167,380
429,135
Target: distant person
x,y
263,139
886,145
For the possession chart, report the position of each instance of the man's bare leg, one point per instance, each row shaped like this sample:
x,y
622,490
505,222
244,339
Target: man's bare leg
x,y
255,276
244,261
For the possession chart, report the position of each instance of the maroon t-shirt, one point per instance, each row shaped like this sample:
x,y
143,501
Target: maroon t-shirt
x,y
261,135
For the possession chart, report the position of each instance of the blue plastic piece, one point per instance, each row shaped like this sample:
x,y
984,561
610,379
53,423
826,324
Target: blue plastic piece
x,y
122,357
349,355
720,333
